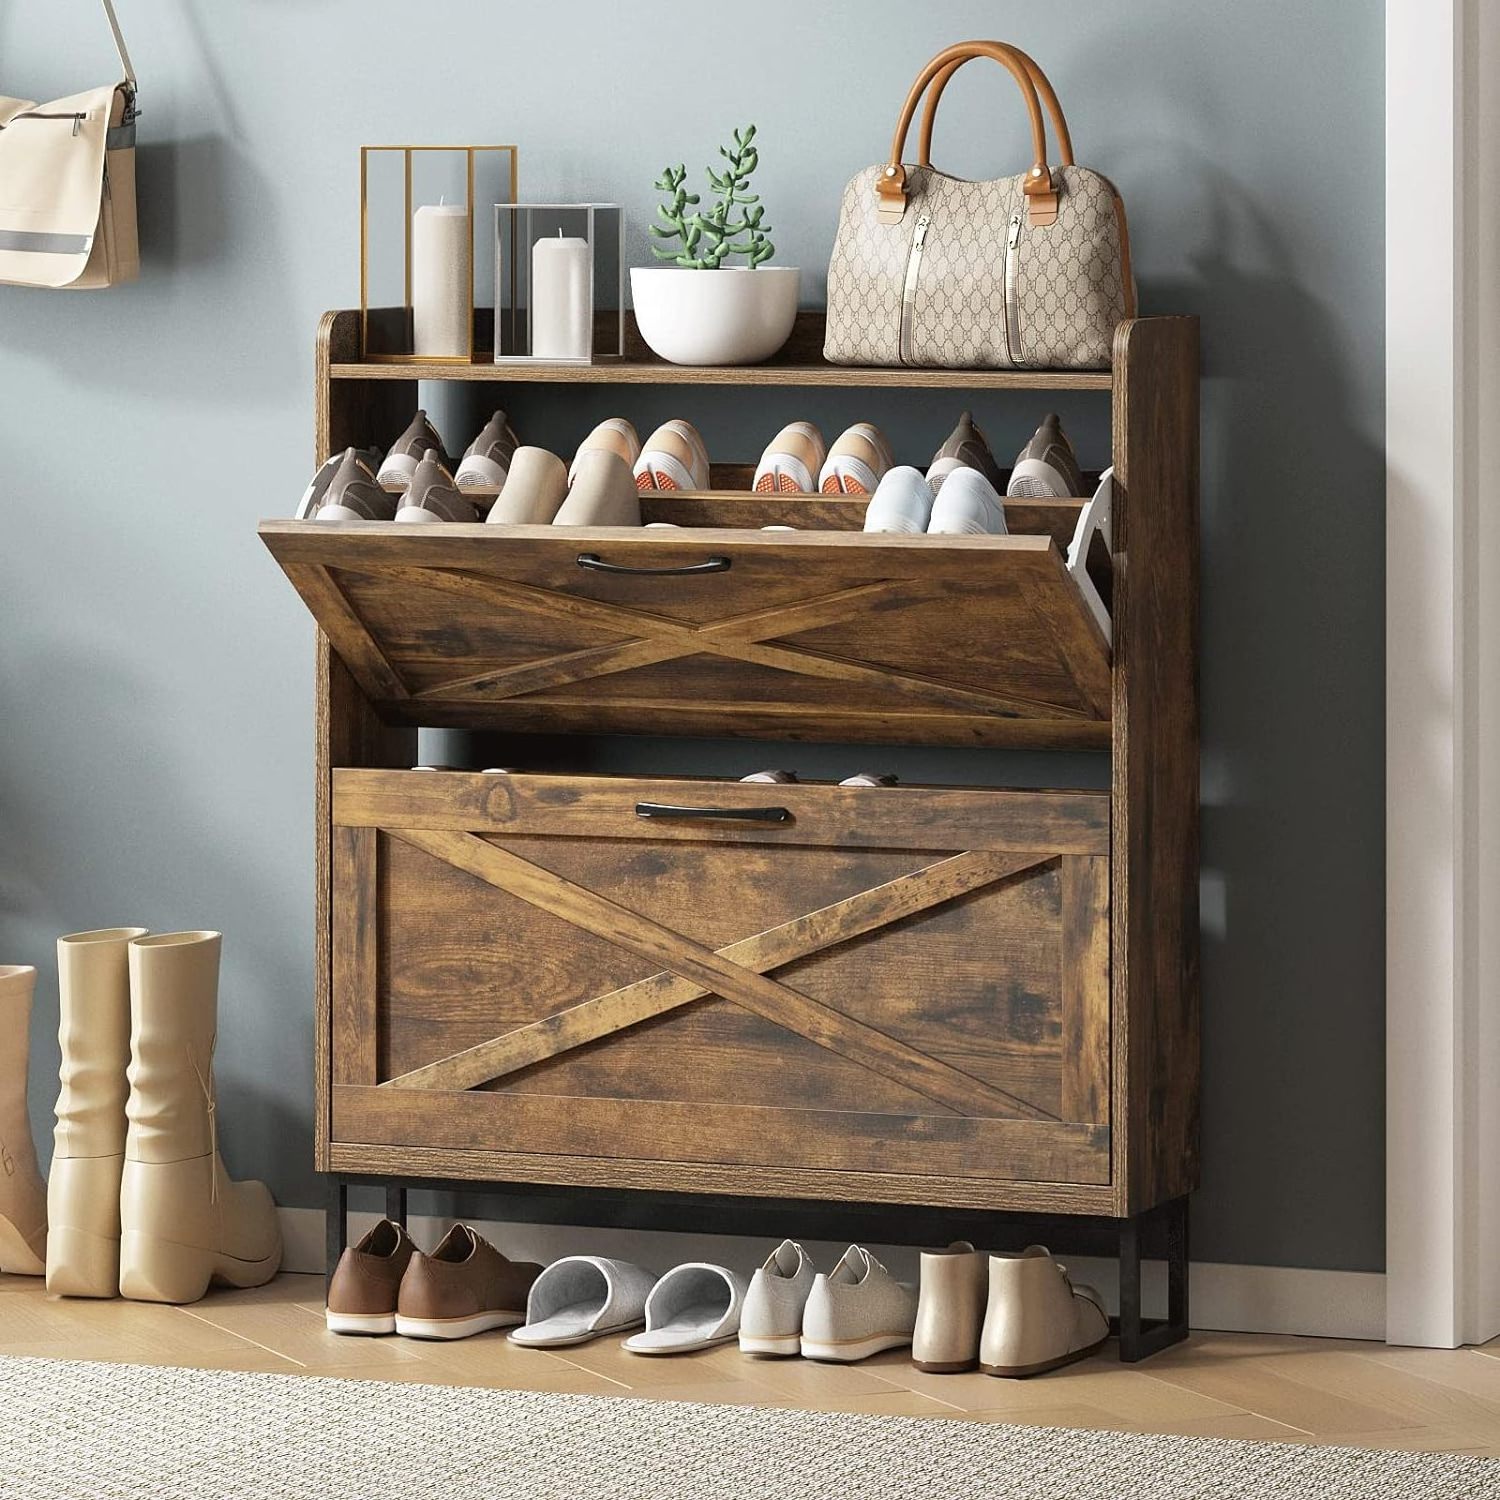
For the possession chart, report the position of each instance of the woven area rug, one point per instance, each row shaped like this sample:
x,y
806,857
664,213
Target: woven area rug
x,y
86,1431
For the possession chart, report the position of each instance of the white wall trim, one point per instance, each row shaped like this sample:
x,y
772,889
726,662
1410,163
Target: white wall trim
x,y
1245,1299
1443,1084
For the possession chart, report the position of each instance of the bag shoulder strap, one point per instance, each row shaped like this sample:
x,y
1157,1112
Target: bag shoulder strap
x,y
114,26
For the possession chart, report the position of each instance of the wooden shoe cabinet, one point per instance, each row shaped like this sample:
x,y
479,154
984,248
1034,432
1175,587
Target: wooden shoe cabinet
x,y
909,1010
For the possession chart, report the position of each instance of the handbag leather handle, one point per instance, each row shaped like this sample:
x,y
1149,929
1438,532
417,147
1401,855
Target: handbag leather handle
x,y
1039,186
114,26
1039,81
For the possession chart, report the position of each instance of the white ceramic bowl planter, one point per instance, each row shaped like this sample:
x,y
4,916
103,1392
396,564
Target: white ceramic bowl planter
x,y
728,316
702,310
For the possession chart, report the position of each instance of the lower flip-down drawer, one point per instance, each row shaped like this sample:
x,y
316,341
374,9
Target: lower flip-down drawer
x,y
868,993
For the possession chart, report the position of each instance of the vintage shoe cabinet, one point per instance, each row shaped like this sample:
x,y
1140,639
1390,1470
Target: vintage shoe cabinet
x,y
941,999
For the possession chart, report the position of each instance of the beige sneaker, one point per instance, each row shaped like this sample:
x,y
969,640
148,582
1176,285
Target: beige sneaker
x,y
1046,468
535,488
603,493
1036,1319
674,458
856,462
792,461
950,1308
857,1310
614,435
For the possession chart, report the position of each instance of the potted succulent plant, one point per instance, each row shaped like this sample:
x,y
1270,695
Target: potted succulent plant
x,y
701,309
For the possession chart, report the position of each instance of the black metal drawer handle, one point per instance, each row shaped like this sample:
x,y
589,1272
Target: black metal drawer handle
x,y
596,564
735,814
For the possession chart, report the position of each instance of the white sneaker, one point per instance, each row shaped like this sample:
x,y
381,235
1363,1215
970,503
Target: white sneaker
x,y
902,503
674,458
967,505
772,778
870,778
615,435
857,462
857,1310
791,463
771,1318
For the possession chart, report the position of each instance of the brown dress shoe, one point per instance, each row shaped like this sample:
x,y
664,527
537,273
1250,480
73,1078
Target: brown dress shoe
x,y
362,1294
464,1287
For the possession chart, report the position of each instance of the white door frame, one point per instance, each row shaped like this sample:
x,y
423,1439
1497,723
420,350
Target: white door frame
x,y
1442,592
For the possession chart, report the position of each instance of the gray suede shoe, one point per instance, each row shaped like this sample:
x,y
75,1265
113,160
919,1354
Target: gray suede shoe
x,y
857,1310
487,459
352,493
433,496
771,1319
400,465
1046,467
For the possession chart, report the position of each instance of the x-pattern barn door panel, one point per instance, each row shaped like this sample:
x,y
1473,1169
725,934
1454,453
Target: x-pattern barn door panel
x,y
886,980
827,636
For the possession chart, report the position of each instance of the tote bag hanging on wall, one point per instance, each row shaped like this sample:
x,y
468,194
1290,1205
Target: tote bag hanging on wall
x,y
1024,271
67,185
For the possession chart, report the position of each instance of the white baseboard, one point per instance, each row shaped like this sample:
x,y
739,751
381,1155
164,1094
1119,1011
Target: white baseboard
x,y
1243,1299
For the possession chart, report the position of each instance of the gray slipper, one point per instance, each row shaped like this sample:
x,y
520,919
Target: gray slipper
x,y
693,1306
583,1297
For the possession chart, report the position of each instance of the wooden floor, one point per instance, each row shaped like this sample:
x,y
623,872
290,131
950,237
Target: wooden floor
x,y
1217,1385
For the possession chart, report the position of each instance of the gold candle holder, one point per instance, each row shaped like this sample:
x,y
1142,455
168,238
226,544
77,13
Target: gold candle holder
x,y
403,316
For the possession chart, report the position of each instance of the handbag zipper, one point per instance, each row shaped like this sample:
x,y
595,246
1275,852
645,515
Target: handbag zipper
x,y
36,114
1012,296
909,289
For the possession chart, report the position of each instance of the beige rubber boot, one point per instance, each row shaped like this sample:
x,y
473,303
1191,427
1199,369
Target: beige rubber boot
x,y
88,1144
1036,1320
23,1195
182,1221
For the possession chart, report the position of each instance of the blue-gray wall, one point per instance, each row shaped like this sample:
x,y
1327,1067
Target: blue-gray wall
x,y
155,684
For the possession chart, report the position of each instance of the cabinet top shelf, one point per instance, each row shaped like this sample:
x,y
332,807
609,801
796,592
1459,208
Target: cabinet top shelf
x,y
800,363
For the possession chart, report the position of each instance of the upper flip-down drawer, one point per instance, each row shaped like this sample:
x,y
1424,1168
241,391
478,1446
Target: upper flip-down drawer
x,y
782,635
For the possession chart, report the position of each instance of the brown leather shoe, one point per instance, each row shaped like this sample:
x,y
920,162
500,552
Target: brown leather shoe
x,y
362,1294
465,1286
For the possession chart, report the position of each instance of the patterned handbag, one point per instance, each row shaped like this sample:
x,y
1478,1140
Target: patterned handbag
x,y
1025,272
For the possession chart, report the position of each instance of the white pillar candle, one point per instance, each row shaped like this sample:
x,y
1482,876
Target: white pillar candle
x,y
562,299
441,281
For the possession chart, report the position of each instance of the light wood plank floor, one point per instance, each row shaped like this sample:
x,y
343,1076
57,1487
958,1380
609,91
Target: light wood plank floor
x,y
1217,1385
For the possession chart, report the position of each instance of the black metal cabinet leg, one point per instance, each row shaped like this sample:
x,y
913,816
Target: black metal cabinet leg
x,y
395,1205
1139,1338
337,1228
1130,1290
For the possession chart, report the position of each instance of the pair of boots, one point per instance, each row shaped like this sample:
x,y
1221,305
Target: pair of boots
x,y
138,1204
1009,1314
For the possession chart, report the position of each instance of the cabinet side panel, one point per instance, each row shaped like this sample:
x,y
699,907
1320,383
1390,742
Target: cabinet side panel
x,y
1155,816
347,731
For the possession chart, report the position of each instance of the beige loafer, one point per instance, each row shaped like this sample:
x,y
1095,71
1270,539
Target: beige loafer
x,y
1037,1319
950,1308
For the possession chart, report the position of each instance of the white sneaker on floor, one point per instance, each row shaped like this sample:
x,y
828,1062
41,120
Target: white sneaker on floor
x,y
771,1318
857,1310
